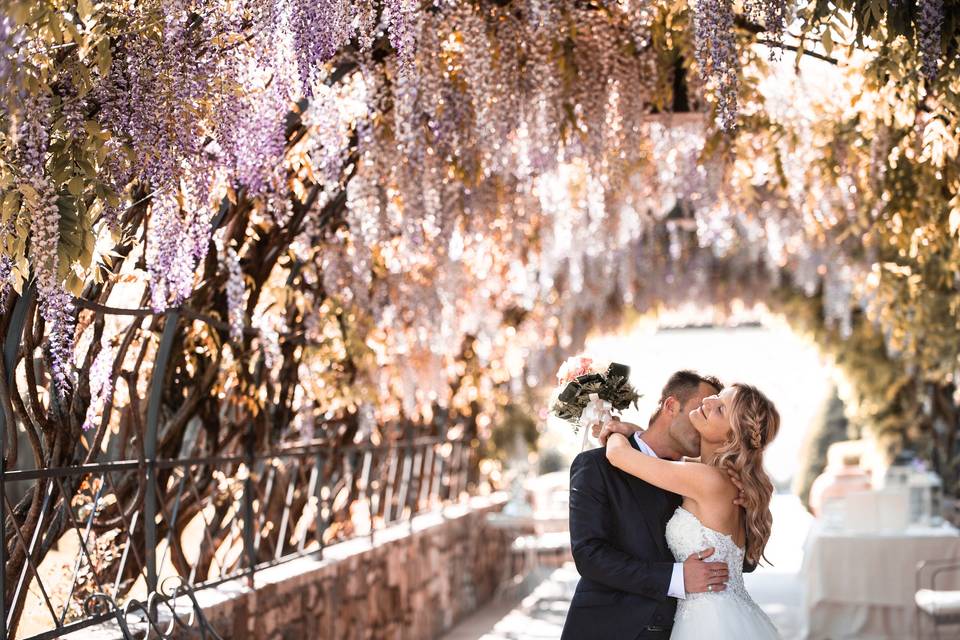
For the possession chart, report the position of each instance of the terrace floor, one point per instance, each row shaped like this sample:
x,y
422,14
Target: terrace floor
x,y
536,608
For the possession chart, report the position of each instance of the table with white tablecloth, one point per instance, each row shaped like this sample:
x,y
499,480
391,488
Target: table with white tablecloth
x,y
862,585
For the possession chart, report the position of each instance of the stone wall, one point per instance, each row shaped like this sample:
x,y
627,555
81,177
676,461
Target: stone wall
x,y
413,581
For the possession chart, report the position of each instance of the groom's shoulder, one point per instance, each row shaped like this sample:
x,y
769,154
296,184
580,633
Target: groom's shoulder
x,y
590,457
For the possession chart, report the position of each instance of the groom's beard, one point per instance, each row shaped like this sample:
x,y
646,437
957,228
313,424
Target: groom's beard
x,y
696,454
687,439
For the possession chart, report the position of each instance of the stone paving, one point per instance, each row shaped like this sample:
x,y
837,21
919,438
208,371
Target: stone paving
x,y
540,614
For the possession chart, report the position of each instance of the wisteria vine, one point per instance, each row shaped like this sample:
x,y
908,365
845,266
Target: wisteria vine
x,y
440,122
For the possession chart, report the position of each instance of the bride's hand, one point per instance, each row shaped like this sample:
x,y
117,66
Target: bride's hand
x,y
617,439
614,425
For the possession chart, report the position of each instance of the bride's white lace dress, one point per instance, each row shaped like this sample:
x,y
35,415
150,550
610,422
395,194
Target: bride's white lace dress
x,y
731,613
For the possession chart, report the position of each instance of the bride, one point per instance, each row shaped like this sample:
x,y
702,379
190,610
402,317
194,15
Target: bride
x,y
735,426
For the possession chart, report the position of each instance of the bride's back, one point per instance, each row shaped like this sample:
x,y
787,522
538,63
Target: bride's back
x,y
718,512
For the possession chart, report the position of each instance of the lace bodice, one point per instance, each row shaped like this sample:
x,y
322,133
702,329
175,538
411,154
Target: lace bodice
x,y
686,535
730,614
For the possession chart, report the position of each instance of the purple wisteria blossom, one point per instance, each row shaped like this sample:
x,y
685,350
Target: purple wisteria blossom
x,y
56,305
716,54
329,130
6,264
73,111
7,29
154,92
169,252
402,17
256,94
363,15
257,143
320,28
101,382
197,192
112,94
930,24
235,301
773,14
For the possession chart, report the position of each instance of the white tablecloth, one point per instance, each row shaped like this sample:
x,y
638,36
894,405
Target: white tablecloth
x,y
862,585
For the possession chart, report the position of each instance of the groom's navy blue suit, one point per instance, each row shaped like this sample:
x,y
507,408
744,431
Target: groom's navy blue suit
x,y
617,524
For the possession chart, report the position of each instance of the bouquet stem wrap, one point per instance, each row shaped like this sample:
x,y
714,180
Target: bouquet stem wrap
x,y
597,410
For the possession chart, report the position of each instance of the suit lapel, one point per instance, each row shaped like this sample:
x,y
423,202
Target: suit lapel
x,y
652,502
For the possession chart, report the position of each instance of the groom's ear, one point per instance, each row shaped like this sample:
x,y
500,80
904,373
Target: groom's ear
x,y
672,406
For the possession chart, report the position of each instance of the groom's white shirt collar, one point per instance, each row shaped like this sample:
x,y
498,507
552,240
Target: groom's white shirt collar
x,y
644,447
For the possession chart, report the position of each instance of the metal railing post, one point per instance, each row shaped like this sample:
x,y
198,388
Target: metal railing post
x,y
249,546
318,460
11,345
150,446
3,520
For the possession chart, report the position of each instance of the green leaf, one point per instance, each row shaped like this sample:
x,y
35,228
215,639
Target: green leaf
x,y
86,251
92,128
11,205
104,57
72,31
84,9
827,41
20,12
74,284
61,169
75,186
55,27
29,192
87,168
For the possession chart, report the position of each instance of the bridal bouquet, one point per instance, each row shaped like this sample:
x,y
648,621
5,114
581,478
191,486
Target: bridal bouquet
x,y
588,392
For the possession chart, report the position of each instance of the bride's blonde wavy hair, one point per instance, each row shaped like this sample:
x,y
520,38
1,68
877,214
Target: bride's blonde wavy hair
x,y
755,422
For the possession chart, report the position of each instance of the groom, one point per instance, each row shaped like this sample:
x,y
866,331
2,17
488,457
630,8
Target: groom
x,y
629,580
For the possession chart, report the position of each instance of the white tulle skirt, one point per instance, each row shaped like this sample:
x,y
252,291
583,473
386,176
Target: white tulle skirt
x,y
719,616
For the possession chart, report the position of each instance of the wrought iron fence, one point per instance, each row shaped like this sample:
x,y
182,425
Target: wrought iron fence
x,y
86,543
209,520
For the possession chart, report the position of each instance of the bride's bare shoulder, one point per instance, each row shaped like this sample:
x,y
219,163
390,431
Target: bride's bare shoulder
x,y
715,480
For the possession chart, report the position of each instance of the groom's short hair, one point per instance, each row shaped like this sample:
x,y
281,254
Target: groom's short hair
x,y
682,385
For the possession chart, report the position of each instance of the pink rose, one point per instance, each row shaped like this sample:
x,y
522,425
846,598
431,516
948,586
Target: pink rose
x,y
574,367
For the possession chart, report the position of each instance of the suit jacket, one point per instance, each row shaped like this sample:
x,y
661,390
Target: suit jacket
x,y
617,525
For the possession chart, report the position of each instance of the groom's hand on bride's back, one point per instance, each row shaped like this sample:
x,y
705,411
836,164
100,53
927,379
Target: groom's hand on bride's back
x,y
611,427
700,575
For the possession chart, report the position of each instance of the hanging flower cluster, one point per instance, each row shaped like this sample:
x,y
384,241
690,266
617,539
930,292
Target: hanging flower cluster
x,y
235,301
434,162
41,200
930,23
101,382
436,202
717,55
774,15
